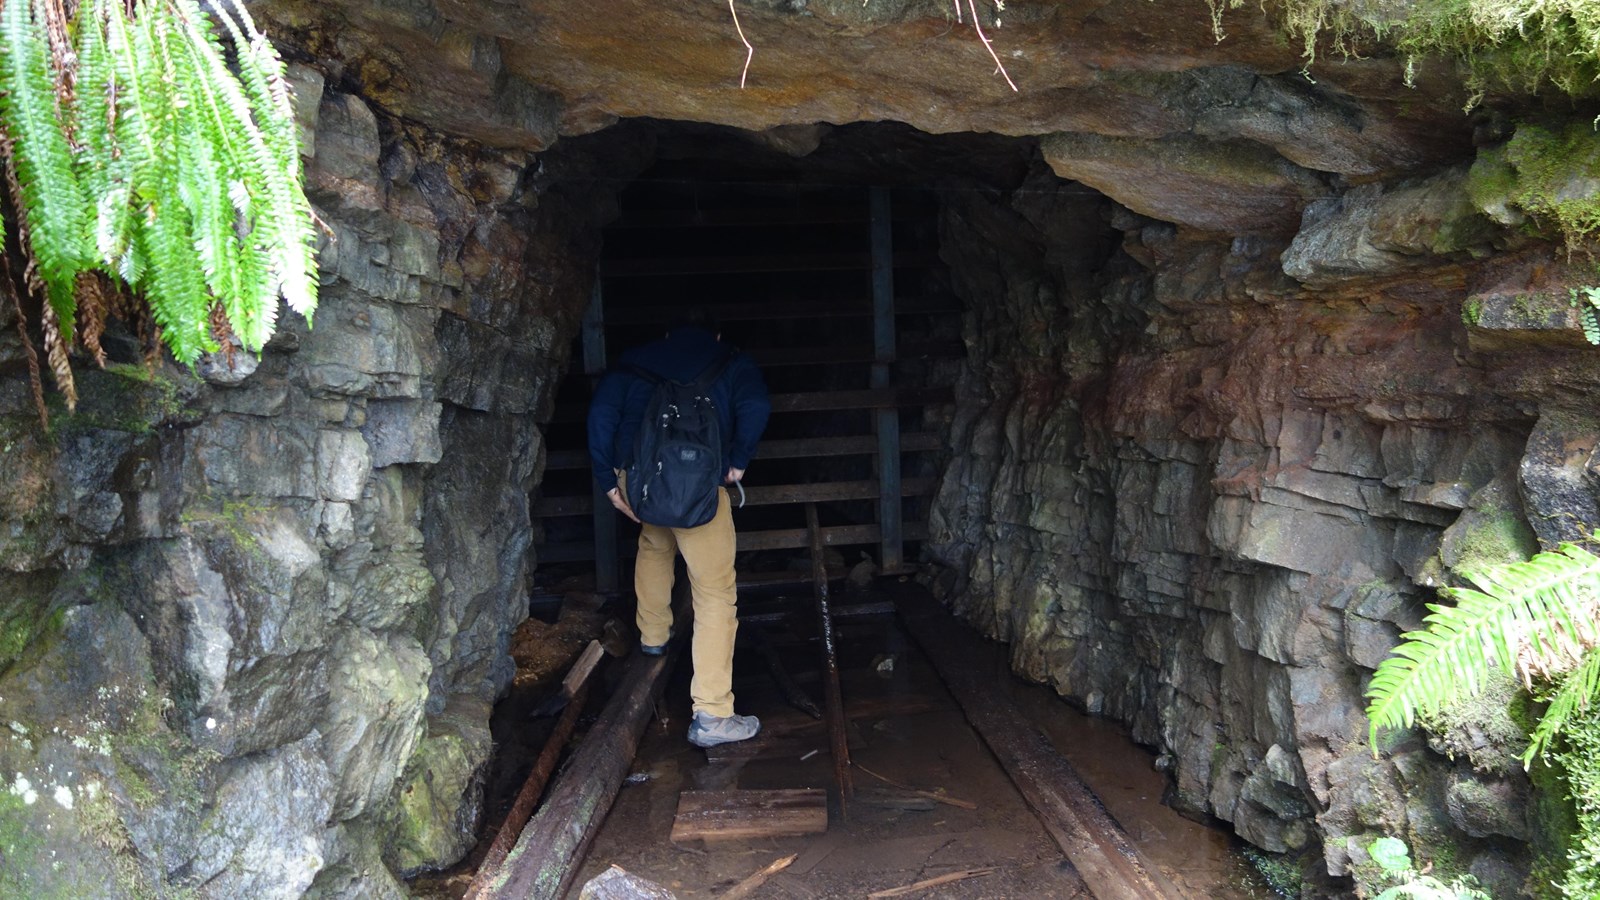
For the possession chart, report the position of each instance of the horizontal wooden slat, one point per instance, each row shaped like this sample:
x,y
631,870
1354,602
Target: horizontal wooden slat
x,y
765,495
777,262
792,448
881,398
742,217
773,539
852,445
769,310
818,401
834,536
773,357
837,610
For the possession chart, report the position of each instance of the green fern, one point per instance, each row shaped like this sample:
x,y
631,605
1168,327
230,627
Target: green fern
x,y
182,174
1534,618
50,191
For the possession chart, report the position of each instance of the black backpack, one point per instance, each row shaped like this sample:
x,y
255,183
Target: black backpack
x,y
677,456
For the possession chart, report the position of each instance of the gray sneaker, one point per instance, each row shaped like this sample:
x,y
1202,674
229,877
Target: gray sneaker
x,y
708,731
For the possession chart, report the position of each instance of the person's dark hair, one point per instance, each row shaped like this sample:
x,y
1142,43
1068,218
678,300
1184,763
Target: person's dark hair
x,y
697,317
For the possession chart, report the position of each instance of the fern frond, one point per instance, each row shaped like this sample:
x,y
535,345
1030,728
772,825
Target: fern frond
x,y
175,287
1576,692
104,168
153,151
285,217
1540,605
52,198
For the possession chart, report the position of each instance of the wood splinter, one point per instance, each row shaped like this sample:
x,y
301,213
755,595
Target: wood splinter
x,y
746,887
947,878
931,795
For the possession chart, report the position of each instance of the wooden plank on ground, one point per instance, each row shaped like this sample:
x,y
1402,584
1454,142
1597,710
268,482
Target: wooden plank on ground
x,y
574,691
1077,820
550,850
740,815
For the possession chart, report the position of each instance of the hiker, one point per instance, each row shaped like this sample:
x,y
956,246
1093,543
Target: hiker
x,y
696,408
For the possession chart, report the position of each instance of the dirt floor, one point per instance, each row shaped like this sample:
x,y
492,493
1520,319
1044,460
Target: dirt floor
x,y
905,727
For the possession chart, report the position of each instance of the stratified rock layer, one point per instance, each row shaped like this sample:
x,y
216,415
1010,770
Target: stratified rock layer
x,y
1204,500
310,564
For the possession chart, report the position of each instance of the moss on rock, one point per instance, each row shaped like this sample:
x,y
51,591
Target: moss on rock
x,y
1549,173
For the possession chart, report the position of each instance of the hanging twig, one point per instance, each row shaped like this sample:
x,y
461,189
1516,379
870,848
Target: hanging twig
x,y
999,66
750,51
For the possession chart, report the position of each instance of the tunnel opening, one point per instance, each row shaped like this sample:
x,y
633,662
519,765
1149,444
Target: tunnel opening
x,y
855,274
1219,427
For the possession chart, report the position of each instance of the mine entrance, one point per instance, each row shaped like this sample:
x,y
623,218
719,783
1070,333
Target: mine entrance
x,y
837,292
914,756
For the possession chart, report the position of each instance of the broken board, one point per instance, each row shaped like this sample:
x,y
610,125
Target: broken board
x,y
736,815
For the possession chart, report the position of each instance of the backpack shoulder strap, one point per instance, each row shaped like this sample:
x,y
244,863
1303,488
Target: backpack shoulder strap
x,y
712,372
642,372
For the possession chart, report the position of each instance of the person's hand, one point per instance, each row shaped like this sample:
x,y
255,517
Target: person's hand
x,y
734,475
621,503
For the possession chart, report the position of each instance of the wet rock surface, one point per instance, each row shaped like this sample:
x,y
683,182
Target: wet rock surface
x,y
1254,505
286,586
1252,370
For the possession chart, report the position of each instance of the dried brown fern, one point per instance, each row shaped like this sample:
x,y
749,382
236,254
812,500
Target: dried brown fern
x,y
8,283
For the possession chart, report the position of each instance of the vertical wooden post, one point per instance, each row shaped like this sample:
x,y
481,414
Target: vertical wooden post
x,y
833,700
891,547
605,518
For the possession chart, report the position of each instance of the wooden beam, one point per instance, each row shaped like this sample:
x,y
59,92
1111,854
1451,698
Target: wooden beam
x,y
740,815
550,850
576,688
773,539
1097,846
769,310
765,495
817,356
818,401
891,543
777,262
739,216
606,576
879,398
786,448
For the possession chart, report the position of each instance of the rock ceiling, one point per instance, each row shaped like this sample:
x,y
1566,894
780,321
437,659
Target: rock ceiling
x,y
1136,98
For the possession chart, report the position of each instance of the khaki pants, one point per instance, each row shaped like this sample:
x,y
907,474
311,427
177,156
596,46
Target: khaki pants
x,y
708,552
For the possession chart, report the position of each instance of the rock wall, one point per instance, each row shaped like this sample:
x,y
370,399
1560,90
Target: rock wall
x,y
1204,497
253,618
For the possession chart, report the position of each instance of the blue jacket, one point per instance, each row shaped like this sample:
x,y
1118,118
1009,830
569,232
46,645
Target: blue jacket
x,y
739,393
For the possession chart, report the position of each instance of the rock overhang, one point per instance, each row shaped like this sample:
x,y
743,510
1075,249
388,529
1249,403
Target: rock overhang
x,y
1137,99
